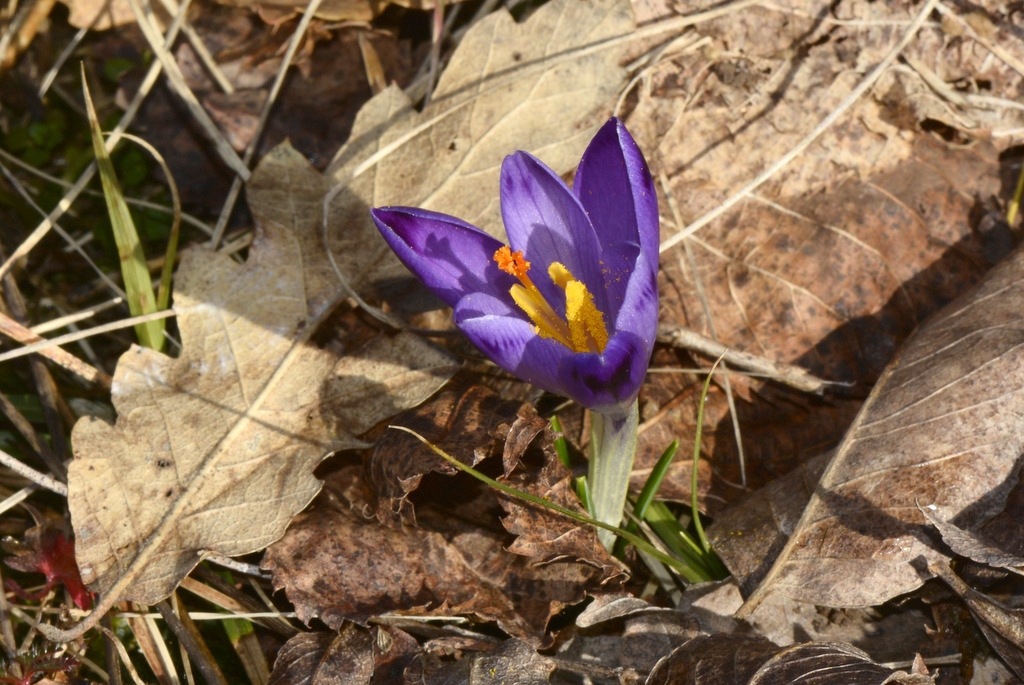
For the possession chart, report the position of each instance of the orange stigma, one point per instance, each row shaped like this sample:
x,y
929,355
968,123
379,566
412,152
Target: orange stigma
x,y
511,262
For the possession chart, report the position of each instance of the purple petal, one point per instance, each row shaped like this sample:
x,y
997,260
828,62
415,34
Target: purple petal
x,y
615,187
617,265
638,313
545,220
451,257
607,380
499,330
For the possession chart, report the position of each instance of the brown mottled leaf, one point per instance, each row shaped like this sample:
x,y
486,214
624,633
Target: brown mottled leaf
x,y
829,662
943,426
351,655
1003,626
335,563
724,659
508,86
512,661
325,658
971,545
461,422
542,534
214,450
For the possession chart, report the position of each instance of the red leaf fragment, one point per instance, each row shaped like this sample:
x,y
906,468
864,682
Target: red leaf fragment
x,y
47,551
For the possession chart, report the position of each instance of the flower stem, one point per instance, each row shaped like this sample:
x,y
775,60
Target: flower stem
x,y
612,449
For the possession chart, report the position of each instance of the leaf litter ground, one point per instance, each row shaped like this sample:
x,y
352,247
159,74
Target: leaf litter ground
x,y
893,212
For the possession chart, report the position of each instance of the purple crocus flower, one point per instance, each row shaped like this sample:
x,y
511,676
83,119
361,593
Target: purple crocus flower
x,y
571,304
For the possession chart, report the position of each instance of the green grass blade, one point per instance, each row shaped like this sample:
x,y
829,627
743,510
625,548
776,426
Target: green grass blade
x,y
679,565
561,447
137,284
694,483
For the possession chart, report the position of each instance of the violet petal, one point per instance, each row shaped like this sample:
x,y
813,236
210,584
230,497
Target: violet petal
x,y
450,256
510,341
608,380
615,187
545,220
639,310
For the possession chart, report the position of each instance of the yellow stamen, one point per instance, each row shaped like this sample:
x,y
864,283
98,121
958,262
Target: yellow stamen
x,y
584,328
586,323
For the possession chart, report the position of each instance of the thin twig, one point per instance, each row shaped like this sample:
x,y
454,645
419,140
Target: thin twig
x,y
227,154
794,376
15,331
189,637
31,474
51,343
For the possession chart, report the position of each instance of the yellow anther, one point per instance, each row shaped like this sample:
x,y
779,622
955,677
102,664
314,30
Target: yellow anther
x,y
583,329
586,323
559,274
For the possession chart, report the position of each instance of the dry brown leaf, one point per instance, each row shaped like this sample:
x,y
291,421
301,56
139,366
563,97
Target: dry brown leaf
x,y
829,662
971,545
727,659
750,535
512,661
342,658
460,422
215,450
1002,625
542,534
833,281
627,633
336,563
348,657
943,426
508,86
99,15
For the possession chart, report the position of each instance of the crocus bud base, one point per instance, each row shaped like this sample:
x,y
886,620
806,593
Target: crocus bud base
x,y
612,450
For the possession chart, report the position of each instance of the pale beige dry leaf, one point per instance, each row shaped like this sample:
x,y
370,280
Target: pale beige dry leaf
x,y
943,426
508,87
215,450
99,15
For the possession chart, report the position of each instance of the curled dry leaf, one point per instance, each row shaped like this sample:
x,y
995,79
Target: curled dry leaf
x,y
215,450
337,563
971,545
350,656
943,426
724,659
508,86
1003,626
542,534
471,425
460,422
512,661
627,633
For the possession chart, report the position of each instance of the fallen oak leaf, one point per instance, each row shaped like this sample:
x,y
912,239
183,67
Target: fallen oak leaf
x,y
532,85
215,450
